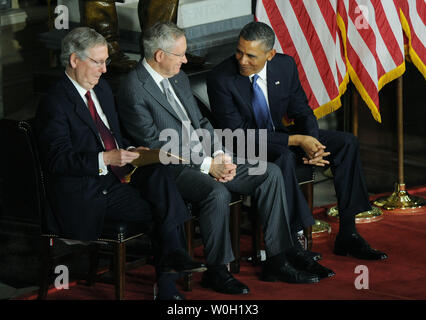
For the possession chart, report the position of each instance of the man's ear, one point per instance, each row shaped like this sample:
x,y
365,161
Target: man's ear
x,y
271,54
73,60
158,55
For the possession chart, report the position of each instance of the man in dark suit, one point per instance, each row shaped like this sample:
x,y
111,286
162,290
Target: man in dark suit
x,y
85,160
255,89
156,100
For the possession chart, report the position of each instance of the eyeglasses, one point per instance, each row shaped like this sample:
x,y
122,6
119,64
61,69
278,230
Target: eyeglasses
x,y
100,63
175,54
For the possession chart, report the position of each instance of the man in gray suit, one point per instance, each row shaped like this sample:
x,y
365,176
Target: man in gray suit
x,y
156,97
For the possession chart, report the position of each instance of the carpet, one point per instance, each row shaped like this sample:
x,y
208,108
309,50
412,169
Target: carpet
x,y
401,277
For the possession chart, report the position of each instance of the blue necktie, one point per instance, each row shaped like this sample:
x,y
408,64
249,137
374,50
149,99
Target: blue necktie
x,y
260,107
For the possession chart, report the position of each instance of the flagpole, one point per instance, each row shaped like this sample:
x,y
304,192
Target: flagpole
x,y
400,116
354,108
400,202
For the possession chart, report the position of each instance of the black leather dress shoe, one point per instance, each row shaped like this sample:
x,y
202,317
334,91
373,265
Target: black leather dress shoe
x,y
176,296
301,260
286,273
180,261
316,256
222,281
354,245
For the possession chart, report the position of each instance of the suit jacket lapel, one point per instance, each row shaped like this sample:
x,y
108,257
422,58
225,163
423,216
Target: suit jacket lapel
x,y
108,108
187,102
244,90
80,107
152,88
274,89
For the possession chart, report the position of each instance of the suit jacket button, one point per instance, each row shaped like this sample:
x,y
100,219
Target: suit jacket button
x,y
105,191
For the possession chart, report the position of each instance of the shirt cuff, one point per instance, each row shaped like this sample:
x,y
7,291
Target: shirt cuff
x,y
217,152
205,166
103,170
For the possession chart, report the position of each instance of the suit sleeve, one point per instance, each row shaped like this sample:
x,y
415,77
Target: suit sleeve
x,y
225,111
304,119
136,117
58,151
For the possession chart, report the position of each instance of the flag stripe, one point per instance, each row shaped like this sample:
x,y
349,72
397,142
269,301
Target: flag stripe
x,y
315,45
359,54
385,57
328,11
390,30
368,37
421,9
417,24
340,60
283,34
327,35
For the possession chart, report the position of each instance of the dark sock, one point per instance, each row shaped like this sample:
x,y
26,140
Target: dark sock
x,y
166,285
346,226
217,268
277,260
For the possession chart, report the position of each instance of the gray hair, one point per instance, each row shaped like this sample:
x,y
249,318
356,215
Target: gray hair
x,y
78,41
161,35
259,31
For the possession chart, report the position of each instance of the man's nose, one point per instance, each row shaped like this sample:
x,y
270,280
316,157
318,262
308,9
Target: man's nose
x,y
243,59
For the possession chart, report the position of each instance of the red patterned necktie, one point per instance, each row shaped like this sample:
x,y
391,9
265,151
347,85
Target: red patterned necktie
x,y
107,137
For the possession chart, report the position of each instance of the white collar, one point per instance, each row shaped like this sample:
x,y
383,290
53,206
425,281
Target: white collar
x,y
79,88
154,74
261,73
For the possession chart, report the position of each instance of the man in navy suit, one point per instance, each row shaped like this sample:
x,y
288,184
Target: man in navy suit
x,y
255,89
85,159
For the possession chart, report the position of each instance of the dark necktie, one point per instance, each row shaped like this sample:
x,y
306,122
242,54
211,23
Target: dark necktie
x,y
186,122
260,107
171,99
106,136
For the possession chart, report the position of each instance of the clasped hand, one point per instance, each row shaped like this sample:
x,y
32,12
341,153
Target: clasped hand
x,y
314,150
222,168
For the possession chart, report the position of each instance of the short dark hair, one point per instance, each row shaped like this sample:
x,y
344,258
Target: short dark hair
x,y
259,31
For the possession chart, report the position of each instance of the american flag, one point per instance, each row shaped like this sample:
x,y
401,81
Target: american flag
x,y
333,41
413,19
